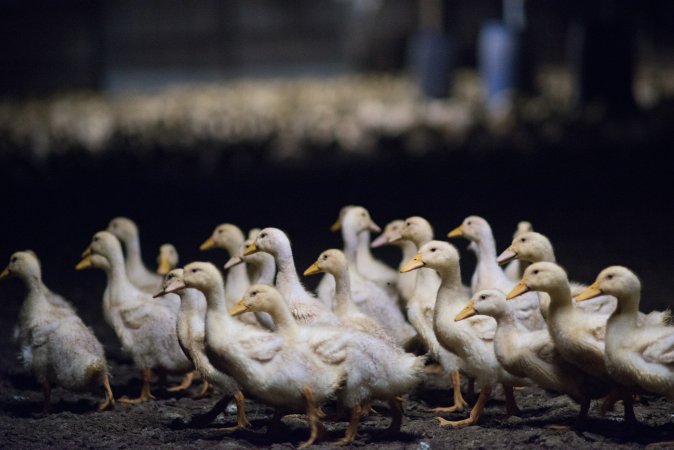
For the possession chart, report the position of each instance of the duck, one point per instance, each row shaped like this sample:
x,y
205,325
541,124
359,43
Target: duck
x,y
304,307
56,346
405,281
421,307
373,300
167,259
515,268
146,328
333,262
374,369
532,354
636,356
472,339
191,331
279,369
126,231
579,336
488,274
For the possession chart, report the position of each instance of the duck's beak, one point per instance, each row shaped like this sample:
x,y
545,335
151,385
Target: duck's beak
x,y
412,264
374,227
395,237
466,312
208,244
233,261
164,265
313,269
508,255
85,263
519,289
252,248
173,286
237,309
381,240
456,232
336,226
5,273
591,292
86,252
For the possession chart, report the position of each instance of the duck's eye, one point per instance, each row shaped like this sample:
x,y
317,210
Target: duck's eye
x,y
433,250
523,240
536,272
253,294
363,214
95,238
14,259
609,276
483,297
408,224
195,270
325,257
263,235
469,223
220,231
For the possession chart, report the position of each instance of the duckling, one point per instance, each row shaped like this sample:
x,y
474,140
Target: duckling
x,y
56,345
374,370
488,274
635,356
579,336
515,268
303,306
471,340
405,281
334,262
282,369
126,231
146,328
167,259
191,330
531,354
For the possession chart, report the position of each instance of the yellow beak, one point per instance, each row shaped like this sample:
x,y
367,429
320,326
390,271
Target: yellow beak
x,y
237,309
336,226
208,244
86,252
85,263
252,248
591,292
313,269
456,232
412,264
466,312
519,289
5,273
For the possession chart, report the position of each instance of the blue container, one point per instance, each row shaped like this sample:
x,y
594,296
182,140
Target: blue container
x,y
433,62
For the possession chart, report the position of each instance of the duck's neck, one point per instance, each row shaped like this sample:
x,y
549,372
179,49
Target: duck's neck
x,y
283,319
287,273
237,282
560,298
191,302
363,249
34,285
409,250
215,301
351,243
626,312
134,261
266,272
450,283
118,280
343,299
547,255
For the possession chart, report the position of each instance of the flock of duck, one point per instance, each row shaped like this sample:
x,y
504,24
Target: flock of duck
x,y
371,332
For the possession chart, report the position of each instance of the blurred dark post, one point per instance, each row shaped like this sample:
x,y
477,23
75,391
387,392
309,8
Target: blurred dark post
x,y
602,47
433,50
504,55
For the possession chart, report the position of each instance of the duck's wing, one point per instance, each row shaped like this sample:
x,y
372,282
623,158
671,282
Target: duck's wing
x,y
262,346
421,319
332,350
484,327
134,318
661,350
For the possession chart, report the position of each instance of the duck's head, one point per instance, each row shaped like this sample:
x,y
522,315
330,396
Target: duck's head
x,y
488,302
523,226
173,282
540,276
437,255
167,259
202,276
269,240
95,261
104,244
226,236
124,228
527,246
258,298
416,229
391,230
357,220
338,223
24,265
617,281
472,228
331,261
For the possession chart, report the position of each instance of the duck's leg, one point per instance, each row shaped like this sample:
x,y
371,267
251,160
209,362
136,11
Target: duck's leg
x,y
199,420
459,403
628,404
109,401
511,404
314,415
46,391
204,392
475,413
241,418
609,402
396,404
352,429
185,383
145,393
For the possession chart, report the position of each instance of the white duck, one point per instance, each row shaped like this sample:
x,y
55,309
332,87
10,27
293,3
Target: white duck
x,y
55,344
374,370
167,259
488,274
579,336
405,281
304,307
515,268
191,330
146,328
636,356
127,232
278,369
472,339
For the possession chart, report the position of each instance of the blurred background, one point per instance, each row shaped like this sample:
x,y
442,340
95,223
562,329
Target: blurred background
x,y
184,115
